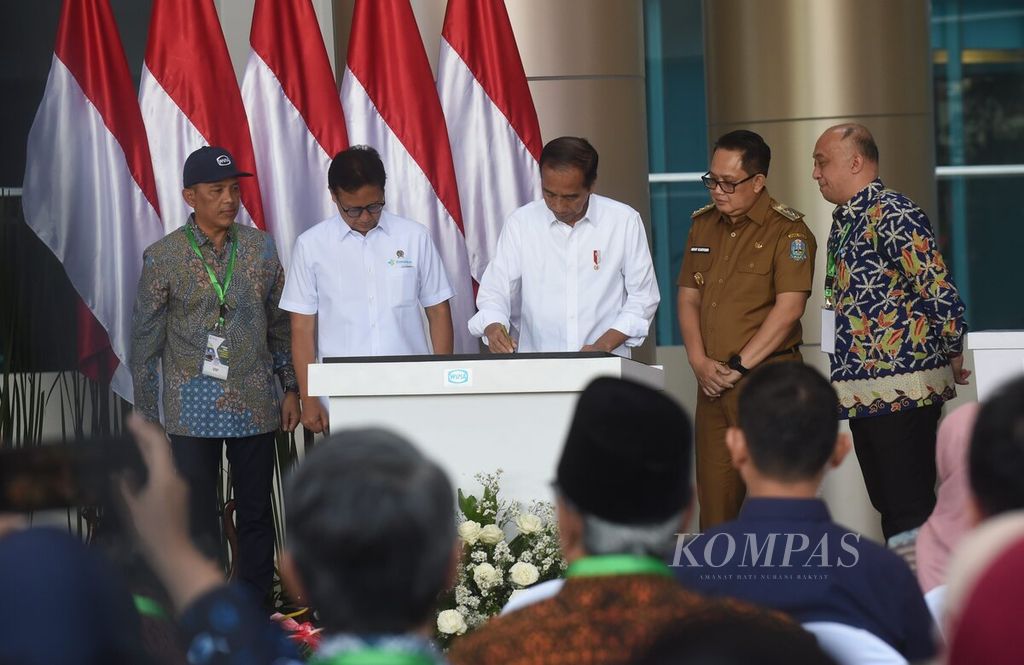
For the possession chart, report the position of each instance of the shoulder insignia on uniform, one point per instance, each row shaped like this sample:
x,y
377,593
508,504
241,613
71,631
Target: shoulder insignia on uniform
x,y
786,211
700,211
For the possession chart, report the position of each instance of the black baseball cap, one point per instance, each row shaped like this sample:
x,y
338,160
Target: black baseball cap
x,y
210,164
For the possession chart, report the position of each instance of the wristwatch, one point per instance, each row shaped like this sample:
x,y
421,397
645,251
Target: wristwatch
x,y
736,363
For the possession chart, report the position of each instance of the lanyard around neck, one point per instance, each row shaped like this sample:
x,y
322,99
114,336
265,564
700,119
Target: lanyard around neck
x,y
830,264
617,564
219,289
146,606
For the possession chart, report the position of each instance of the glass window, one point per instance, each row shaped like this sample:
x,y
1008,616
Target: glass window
x,y
978,64
677,135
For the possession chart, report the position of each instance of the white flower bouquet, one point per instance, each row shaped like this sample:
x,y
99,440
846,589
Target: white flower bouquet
x,y
506,548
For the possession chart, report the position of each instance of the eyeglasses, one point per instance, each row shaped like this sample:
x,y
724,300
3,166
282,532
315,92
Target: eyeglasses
x,y
727,187
355,212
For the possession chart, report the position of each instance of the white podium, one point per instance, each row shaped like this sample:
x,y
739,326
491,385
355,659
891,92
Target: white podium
x,y
474,413
998,358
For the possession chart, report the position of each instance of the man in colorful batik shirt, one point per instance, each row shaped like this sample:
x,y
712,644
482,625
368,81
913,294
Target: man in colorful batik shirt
x,y
894,325
207,321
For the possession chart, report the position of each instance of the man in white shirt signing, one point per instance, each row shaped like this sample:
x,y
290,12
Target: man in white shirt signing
x,y
361,279
581,261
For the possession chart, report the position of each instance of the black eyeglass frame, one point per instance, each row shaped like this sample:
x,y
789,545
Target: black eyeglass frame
x,y
355,212
727,187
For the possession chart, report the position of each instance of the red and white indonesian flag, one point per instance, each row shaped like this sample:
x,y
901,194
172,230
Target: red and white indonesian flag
x,y
189,98
295,116
391,104
492,124
89,192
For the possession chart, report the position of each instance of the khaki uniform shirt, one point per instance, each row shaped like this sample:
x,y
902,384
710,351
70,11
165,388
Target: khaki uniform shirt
x,y
740,267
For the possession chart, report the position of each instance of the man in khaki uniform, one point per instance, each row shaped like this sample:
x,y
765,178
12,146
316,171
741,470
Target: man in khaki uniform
x,y
746,276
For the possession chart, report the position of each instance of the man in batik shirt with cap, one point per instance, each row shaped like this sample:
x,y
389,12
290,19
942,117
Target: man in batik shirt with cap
x,y
207,318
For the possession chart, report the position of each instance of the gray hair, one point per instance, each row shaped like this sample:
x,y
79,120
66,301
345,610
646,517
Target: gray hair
x,y
371,526
657,540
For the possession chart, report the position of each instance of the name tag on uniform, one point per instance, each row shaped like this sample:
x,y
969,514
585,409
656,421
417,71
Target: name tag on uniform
x,y
828,330
700,250
215,359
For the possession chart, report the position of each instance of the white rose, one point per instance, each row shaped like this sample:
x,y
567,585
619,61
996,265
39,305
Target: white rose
x,y
523,574
529,523
451,622
469,532
491,534
485,575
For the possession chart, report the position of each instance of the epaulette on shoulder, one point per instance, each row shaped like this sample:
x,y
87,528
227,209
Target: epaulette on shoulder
x,y
787,212
700,211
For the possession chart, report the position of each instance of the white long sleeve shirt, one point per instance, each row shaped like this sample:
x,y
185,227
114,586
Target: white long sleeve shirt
x,y
367,291
577,281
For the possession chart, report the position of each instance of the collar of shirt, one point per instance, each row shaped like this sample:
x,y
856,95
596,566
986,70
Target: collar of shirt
x,y
340,643
756,214
856,206
384,224
768,508
203,239
590,217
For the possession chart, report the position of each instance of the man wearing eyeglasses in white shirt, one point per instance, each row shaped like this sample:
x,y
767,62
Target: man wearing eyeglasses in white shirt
x,y
580,260
360,280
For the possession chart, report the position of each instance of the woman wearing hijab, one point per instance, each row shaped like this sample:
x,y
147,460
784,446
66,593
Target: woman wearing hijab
x,y
950,519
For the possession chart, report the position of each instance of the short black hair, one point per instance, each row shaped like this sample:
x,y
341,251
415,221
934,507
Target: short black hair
x,y
354,168
571,152
787,412
755,154
371,526
710,638
996,456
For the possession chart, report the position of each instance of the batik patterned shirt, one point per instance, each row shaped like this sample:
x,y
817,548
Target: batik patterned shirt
x,y
608,620
898,314
177,308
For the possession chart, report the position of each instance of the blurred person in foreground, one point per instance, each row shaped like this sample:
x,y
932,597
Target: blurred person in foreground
x,y
784,551
996,458
64,602
622,492
371,545
950,521
714,642
987,598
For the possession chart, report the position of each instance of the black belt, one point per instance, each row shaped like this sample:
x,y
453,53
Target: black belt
x,y
785,352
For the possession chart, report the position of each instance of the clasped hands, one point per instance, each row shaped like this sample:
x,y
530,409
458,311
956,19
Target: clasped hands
x,y
713,377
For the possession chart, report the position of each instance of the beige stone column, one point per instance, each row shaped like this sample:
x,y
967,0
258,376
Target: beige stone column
x,y
585,63
789,69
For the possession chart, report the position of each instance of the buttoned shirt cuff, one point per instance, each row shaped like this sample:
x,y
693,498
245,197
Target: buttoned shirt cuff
x,y
634,327
297,307
485,317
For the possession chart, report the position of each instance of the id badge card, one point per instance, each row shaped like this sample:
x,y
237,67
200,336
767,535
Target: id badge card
x,y
828,330
215,359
